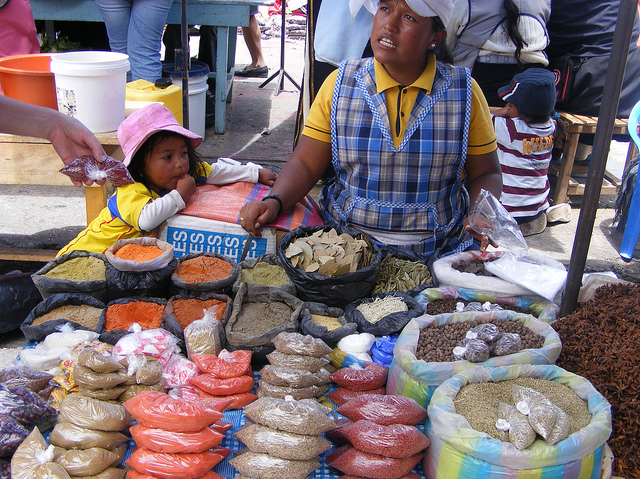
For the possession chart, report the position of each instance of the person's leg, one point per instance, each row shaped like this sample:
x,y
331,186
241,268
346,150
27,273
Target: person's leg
x,y
252,37
116,15
148,18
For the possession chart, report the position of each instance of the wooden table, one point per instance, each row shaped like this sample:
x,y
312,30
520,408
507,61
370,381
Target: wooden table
x,y
225,15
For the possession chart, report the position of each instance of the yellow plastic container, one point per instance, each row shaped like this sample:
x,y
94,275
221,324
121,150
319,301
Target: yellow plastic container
x,y
171,96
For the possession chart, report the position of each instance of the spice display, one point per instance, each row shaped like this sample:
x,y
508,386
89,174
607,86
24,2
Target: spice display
x,y
329,253
452,305
258,318
265,274
326,321
377,309
306,416
187,311
478,403
84,315
437,343
203,269
121,316
401,275
600,341
84,268
137,252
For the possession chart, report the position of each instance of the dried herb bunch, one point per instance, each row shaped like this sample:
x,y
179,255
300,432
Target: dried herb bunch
x,y
600,342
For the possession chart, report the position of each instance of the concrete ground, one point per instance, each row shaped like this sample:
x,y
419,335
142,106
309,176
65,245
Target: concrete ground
x,y
260,128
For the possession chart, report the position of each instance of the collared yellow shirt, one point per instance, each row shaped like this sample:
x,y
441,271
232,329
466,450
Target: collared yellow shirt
x,y
482,137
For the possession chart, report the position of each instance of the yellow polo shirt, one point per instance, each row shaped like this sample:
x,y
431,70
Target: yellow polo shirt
x,y
482,137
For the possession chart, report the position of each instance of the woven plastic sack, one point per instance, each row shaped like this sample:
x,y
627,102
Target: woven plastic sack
x,y
417,379
48,286
454,442
161,440
541,308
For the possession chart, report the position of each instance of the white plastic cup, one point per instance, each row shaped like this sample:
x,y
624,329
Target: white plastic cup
x,y
91,87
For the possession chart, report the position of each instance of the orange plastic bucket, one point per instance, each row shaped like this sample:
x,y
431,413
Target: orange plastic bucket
x,y
28,78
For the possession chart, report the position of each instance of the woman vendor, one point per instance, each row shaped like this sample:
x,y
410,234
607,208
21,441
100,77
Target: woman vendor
x,y
409,136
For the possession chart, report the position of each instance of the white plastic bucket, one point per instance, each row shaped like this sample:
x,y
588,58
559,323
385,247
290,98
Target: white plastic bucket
x,y
198,75
91,86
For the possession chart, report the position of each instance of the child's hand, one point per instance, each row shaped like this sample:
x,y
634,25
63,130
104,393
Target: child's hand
x,y
186,187
266,176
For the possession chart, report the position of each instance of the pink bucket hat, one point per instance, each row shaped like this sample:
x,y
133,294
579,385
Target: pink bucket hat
x,y
141,124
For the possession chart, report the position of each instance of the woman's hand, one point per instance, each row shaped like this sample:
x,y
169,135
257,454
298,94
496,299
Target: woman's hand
x,y
485,241
255,214
267,176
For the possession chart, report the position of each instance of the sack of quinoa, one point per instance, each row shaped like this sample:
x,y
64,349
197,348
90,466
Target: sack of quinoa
x,y
139,267
420,365
79,271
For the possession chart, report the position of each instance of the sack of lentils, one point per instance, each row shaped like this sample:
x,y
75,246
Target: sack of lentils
x,y
181,311
383,314
424,355
82,311
265,270
74,272
347,271
204,273
122,313
463,414
259,314
446,299
139,267
325,322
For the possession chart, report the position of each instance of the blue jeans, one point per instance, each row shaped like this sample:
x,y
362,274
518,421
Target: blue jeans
x,y
135,28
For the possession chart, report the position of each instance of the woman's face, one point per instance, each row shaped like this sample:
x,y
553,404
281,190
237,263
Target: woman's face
x,y
166,164
401,38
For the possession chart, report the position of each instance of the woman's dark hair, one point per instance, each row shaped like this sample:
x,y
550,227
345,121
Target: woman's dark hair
x,y
442,53
511,25
136,167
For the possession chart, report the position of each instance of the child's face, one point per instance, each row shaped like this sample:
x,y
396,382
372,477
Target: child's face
x,y
166,164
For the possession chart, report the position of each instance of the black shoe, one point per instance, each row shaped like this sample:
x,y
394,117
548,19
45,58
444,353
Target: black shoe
x,y
260,72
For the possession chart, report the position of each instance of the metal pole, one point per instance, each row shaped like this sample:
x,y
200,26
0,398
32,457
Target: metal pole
x,y
604,131
182,62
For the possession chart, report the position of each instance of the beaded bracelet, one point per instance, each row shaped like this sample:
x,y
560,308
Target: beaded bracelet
x,y
277,198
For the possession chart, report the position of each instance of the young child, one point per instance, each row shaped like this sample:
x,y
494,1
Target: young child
x,y
525,133
161,157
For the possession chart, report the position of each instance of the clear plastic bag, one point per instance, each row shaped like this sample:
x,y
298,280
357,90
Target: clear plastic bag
x,y
225,364
161,440
93,414
166,465
26,407
297,361
295,378
351,461
157,343
264,466
395,440
142,370
521,434
384,410
12,433
90,379
296,343
222,387
267,389
70,436
509,343
341,395
357,378
306,416
204,336
86,462
24,376
285,445
178,371
540,411
87,168
97,362
34,459
488,332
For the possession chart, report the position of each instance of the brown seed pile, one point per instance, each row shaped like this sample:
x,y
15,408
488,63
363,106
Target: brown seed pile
x,y
478,403
601,342
448,305
436,343
83,314
474,266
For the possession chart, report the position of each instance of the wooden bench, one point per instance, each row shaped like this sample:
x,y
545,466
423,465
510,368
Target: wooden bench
x,y
33,161
568,132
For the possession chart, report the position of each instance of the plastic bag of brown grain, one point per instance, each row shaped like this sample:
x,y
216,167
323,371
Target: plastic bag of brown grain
x,y
86,462
93,413
285,445
34,459
264,466
69,436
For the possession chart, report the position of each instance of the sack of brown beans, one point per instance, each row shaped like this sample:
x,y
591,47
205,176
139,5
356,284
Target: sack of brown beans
x,y
82,272
81,310
464,411
451,299
424,356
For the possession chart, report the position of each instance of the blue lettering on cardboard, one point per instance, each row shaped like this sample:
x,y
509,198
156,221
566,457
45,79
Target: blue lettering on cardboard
x,y
188,241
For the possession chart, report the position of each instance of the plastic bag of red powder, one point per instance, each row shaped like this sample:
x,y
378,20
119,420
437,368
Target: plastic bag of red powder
x,y
133,474
172,466
221,426
384,410
342,395
396,440
87,168
356,378
222,387
156,409
161,440
349,460
227,364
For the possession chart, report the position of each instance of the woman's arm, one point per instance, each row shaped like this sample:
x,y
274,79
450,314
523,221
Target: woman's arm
x,y
296,178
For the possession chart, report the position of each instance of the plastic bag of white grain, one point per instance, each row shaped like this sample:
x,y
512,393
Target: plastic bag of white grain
x,y
296,343
306,416
296,361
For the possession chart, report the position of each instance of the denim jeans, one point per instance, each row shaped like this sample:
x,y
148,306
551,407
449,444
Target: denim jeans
x,y
135,27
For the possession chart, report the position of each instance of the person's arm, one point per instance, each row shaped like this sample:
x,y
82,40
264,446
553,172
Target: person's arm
x,y
69,138
482,172
159,210
296,178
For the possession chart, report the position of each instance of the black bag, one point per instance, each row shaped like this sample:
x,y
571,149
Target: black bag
x,y
565,68
391,323
114,335
337,291
18,296
307,326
